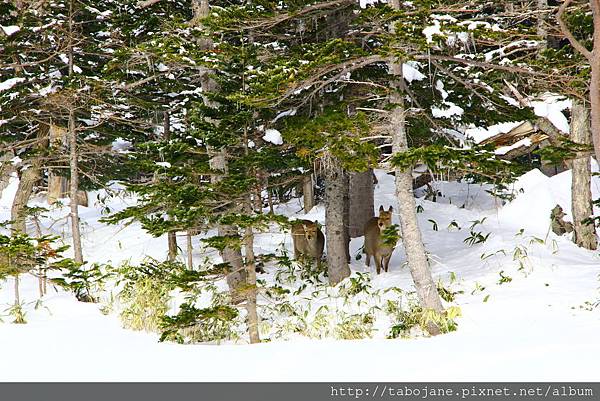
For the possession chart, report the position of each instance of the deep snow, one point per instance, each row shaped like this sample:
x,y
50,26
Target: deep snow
x,y
529,329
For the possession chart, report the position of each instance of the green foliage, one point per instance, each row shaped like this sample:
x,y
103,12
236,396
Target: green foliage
x,y
504,278
476,237
566,150
86,282
145,302
447,294
478,163
336,132
391,235
21,253
199,325
16,310
417,318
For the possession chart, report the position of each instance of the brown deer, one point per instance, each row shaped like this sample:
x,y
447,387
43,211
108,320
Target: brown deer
x,y
374,245
309,240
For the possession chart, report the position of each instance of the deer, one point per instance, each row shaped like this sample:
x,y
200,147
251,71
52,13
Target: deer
x,y
309,240
374,245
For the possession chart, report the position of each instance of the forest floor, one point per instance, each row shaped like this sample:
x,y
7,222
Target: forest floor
x,y
539,326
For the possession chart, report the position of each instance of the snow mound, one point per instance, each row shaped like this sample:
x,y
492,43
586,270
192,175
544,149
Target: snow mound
x,y
537,195
273,136
11,29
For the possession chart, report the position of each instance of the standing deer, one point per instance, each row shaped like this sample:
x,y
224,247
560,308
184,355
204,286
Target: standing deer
x,y
309,240
374,245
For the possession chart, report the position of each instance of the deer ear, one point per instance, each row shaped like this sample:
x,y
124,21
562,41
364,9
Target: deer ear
x,y
390,209
381,208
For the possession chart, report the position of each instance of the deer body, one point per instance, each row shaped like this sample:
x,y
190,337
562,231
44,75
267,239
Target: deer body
x,y
309,240
374,245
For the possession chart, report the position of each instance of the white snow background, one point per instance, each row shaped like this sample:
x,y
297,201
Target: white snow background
x,y
531,329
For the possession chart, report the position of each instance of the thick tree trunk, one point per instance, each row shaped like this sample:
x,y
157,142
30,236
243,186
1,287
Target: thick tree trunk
x,y
231,256
337,253
411,234
74,188
57,185
361,202
29,176
585,233
24,190
6,170
308,193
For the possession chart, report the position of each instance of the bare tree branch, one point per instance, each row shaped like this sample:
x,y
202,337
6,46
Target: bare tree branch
x,y
568,34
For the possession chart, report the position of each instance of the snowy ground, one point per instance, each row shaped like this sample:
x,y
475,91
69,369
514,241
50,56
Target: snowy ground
x,y
532,328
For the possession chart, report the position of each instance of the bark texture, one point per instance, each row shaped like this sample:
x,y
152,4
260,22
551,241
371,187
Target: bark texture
x,y
6,170
218,163
595,79
361,202
308,193
411,234
57,185
27,180
337,246
251,291
231,256
74,188
585,233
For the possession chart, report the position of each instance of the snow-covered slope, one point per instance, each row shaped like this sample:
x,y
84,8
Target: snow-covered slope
x,y
532,328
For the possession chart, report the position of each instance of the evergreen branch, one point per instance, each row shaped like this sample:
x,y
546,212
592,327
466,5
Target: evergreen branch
x,y
272,22
463,82
344,68
483,64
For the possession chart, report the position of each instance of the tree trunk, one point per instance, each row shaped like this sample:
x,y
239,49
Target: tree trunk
x,y
308,193
595,80
218,162
231,256
542,32
172,242
346,222
171,235
24,190
251,290
337,254
17,295
18,212
361,202
6,171
411,234
57,185
74,188
584,233
73,157
190,249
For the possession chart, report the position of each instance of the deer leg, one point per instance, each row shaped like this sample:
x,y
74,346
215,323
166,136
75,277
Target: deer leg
x,y
386,262
378,263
